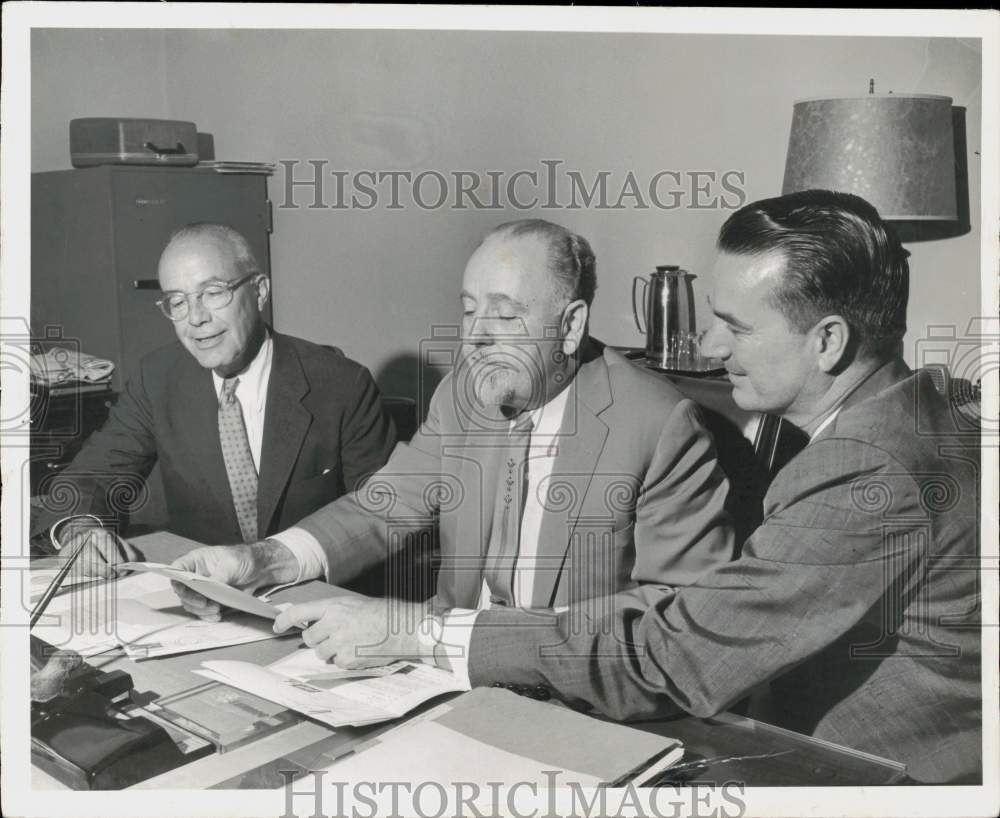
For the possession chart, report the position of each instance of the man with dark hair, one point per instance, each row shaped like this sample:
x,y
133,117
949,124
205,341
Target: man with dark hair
x,y
857,596
252,429
554,470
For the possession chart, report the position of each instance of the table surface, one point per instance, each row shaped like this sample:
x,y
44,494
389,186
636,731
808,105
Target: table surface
x,y
719,750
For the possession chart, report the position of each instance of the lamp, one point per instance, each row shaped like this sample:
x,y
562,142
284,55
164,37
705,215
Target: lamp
x,y
894,150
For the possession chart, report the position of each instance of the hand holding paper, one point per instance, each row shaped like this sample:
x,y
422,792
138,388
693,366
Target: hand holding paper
x,y
214,593
247,567
358,632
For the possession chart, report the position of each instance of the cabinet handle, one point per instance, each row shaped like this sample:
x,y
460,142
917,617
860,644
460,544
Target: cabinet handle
x,y
146,284
177,150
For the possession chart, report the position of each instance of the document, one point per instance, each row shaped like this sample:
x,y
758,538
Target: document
x,y
387,693
141,614
212,589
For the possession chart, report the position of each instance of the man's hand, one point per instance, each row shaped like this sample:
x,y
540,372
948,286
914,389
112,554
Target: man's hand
x,y
358,632
247,567
102,551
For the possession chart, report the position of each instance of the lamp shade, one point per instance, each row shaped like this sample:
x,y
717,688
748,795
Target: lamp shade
x,y
894,150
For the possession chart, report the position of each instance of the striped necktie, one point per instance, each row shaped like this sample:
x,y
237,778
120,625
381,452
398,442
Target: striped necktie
x,y
239,460
505,538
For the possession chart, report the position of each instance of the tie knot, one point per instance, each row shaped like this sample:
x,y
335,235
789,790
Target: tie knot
x,y
229,389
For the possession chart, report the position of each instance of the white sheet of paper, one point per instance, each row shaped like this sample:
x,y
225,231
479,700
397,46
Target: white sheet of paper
x,y
306,666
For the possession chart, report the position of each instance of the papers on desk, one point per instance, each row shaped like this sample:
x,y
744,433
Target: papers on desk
x,y
331,696
42,577
490,734
141,614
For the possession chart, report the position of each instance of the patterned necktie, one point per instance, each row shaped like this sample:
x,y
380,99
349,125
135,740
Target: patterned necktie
x,y
505,539
239,460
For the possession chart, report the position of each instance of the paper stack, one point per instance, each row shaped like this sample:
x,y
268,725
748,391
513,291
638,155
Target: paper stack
x,y
321,691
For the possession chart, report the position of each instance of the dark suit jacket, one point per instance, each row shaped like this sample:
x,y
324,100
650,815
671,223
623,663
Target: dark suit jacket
x,y
857,596
635,495
324,429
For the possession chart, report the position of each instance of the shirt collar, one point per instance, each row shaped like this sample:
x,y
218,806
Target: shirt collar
x,y
253,379
829,419
547,418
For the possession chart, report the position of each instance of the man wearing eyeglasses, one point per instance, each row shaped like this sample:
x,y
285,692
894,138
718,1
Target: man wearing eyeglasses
x,y
252,429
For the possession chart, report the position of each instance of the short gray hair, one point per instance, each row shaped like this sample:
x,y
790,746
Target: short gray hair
x,y
230,237
572,262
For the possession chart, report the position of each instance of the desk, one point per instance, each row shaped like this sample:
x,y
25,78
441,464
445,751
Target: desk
x,y
736,748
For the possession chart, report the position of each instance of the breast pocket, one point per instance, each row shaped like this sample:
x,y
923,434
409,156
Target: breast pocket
x,y
306,496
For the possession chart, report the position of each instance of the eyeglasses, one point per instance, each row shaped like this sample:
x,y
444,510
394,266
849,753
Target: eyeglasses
x,y
176,304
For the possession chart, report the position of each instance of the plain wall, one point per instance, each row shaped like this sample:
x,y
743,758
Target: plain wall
x,y
375,282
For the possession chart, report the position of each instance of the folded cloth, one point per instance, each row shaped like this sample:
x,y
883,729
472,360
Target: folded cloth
x,y
59,364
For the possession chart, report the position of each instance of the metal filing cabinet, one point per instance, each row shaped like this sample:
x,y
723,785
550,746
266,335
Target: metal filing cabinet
x,y
96,238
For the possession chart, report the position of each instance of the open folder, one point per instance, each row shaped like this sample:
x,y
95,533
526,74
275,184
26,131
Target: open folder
x,y
490,734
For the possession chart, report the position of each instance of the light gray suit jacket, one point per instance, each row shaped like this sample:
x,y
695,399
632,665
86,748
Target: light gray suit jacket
x,y
857,598
635,496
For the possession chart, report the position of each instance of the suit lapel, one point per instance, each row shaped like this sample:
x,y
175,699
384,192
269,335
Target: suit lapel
x,y
194,407
473,522
581,442
286,422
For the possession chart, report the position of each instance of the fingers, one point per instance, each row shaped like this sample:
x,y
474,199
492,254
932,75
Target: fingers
x,y
129,552
224,563
97,556
196,604
197,562
299,616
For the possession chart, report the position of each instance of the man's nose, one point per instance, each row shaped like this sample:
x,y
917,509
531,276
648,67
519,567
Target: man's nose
x,y
479,333
197,313
714,344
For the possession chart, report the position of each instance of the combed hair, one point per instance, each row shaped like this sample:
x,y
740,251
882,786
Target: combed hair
x,y
246,261
572,262
840,259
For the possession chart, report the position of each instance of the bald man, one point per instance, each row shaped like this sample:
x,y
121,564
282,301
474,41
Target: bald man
x,y
252,429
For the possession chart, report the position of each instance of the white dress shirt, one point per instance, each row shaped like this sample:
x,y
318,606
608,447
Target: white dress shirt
x,y
251,392
543,447
829,419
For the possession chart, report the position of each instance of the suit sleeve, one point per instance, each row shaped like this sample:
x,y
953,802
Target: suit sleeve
x,y
108,475
368,434
364,527
681,526
807,576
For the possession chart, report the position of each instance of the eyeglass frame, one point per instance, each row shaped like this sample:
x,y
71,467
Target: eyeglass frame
x,y
230,286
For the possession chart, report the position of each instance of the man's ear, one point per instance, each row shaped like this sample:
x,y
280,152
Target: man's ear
x,y
832,336
574,325
263,285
